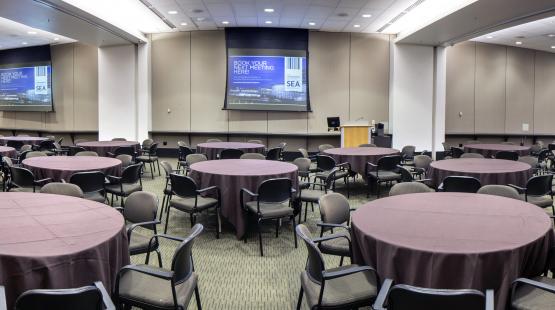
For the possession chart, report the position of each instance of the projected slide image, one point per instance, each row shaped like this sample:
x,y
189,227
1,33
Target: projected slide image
x,y
26,86
270,80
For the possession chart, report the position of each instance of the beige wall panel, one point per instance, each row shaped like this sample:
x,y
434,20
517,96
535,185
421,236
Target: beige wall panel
x,y
491,61
369,77
248,121
329,78
171,81
544,103
287,122
29,120
461,63
314,142
85,108
62,87
293,143
7,120
208,77
520,90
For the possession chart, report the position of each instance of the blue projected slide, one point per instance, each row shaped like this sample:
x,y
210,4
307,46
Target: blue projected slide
x,y
267,82
26,87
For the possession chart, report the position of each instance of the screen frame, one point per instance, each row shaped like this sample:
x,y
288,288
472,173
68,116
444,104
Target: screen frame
x,y
35,108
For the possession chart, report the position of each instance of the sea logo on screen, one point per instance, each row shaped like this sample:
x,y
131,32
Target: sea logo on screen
x,y
41,80
293,74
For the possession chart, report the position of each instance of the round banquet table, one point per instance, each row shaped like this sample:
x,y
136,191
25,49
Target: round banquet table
x,y
25,140
53,241
8,151
453,240
230,175
357,157
62,167
488,171
103,147
212,149
489,150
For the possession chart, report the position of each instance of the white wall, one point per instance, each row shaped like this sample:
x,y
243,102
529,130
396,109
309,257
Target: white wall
x,y
440,98
144,98
412,96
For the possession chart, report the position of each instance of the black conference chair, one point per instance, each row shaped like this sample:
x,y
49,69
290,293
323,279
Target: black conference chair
x,y
538,191
407,297
456,152
274,199
151,159
48,147
183,151
92,183
335,214
15,144
72,150
385,171
124,150
508,155
273,153
460,184
230,154
326,164
129,182
24,180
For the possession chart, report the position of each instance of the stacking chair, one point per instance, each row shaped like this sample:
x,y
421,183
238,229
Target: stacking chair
x,y
119,139
124,150
182,154
32,154
508,155
304,153
87,153
92,297
409,188
92,183
471,155
499,190
186,197
72,150
273,201
407,297
346,287
147,287
253,156
47,147
456,152
407,154
386,170
213,140
326,164
460,184
538,191
15,144
535,149
66,189
421,165
182,143
129,182
24,180
145,146
273,154
303,168
126,160
192,159
230,154
335,213
151,158
140,210
323,147
167,187
532,161
313,195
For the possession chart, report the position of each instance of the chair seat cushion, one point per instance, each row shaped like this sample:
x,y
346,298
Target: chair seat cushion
x,y
146,158
353,288
270,210
530,298
127,189
540,201
337,246
139,243
188,204
312,195
385,175
147,289
94,196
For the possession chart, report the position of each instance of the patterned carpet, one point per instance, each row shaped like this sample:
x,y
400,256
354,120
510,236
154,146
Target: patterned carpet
x,y
232,275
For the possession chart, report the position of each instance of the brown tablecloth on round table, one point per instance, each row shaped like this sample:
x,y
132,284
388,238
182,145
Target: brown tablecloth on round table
x,y
62,167
53,241
359,156
230,175
103,147
488,171
489,150
8,151
212,149
453,240
25,140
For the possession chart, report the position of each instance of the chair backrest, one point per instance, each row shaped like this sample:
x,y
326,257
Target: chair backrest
x,y
273,153
26,147
183,186
531,160
325,162
47,145
88,181
51,138
461,184
141,207
422,161
146,143
126,160
119,139
323,147
406,175
334,208
75,149
183,151
152,149
406,297
86,153
168,169
367,145
60,141
131,174
508,155
408,150
304,152
182,262
127,150
15,144
275,190
303,164
253,156
456,152
195,158
315,262
390,162
231,154
83,298
255,141
282,146
499,190
536,148
213,140
409,188
471,155
539,185
66,189
544,154
6,161
35,154
182,143
22,177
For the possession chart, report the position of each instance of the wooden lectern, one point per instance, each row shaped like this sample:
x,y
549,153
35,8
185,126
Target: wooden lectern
x,y
355,133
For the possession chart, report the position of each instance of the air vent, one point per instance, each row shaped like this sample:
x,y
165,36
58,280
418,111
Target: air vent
x,y
398,16
197,11
342,14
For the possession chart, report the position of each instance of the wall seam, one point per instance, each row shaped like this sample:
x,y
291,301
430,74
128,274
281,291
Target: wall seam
x,y
534,97
475,65
349,76
73,89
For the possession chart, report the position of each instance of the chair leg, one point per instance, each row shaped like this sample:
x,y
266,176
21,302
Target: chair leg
x,y
260,237
341,261
294,233
151,170
158,164
300,299
197,298
160,258
277,228
305,210
167,220
162,208
219,228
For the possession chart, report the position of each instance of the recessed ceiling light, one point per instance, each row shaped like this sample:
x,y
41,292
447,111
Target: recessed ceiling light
x,y
356,26
268,22
56,39
31,32
366,15
172,12
269,10
225,22
200,19
24,43
553,46
489,37
183,24
518,42
551,35
311,23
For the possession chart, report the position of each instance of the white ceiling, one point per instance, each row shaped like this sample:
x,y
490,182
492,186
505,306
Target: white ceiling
x,y
538,35
16,35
